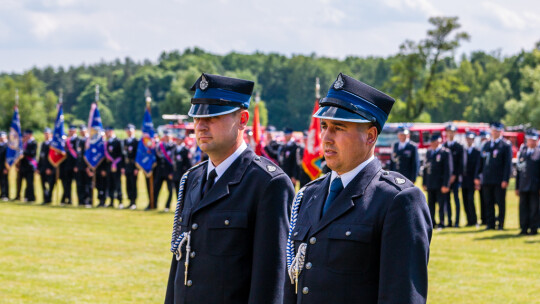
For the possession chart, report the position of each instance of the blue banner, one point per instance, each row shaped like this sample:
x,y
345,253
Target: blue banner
x,y
57,149
95,146
146,152
15,146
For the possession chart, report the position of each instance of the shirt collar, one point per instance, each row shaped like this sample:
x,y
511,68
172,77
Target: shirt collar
x,y
347,177
221,168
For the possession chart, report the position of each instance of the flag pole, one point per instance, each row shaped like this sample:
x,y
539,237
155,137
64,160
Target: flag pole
x,y
151,182
57,169
94,169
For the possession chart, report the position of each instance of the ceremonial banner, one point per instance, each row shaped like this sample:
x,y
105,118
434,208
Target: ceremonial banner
x,y
57,149
256,129
311,162
15,146
146,153
95,146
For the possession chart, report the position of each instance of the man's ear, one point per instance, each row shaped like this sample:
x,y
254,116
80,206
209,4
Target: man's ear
x,y
372,135
244,118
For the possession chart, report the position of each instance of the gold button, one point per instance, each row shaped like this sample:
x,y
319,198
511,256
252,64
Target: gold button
x,y
348,233
189,283
194,226
181,219
305,290
312,240
227,222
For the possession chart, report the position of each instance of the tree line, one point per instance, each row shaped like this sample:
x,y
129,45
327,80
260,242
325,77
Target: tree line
x,y
429,81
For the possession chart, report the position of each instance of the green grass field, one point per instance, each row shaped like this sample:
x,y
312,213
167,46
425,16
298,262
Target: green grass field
x,y
75,255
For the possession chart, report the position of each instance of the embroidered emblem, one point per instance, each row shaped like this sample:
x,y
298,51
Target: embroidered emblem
x,y
400,181
271,168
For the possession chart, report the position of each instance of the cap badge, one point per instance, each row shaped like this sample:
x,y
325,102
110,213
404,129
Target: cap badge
x,y
339,82
400,181
271,168
204,83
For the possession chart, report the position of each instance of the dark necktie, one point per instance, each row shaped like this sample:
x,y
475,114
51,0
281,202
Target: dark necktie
x,y
209,182
335,189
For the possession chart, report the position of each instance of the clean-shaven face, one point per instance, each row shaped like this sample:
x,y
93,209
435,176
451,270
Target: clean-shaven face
x,y
346,144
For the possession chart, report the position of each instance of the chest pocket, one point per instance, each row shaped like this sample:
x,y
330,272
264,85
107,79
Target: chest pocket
x,y
349,248
228,233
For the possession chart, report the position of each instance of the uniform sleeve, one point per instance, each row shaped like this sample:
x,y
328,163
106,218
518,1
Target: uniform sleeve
x,y
448,169
169,296
270,240
424,173
507,163
406,235
416,163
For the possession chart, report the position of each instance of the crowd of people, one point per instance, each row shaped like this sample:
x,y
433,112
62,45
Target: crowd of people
x,y
174,156
483,165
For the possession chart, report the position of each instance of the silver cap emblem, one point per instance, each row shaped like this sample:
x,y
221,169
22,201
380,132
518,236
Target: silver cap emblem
x,y
204,83
339,83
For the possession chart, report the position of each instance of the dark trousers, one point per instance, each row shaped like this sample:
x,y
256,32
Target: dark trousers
x,y
67,175
131,186
84,186
19,184
494,195
483,207
47,184
28,176
468,205
4,187
158,181
101,186
434,197
454,188
528,210
115,186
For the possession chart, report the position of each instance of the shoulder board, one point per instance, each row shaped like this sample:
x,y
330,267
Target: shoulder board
x,y
320,178
196,166
267,165
396,179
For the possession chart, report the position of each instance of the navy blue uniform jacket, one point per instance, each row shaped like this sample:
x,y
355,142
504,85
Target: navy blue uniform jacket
x,y
242,260
405,161
438,168
528,170
371,246
470,168
496,162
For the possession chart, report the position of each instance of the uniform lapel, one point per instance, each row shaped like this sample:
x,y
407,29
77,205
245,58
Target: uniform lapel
x,y
345,200
316,201
232,176
195,190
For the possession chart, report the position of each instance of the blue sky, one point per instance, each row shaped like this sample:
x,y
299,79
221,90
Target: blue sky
x,y
73,32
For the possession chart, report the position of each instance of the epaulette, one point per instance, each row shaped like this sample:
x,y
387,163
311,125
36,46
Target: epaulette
x,y
267,165
396,179
316,180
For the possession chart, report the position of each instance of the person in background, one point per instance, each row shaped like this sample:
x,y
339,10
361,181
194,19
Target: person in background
x,y
4,185
456,149
67,167
46,169
471,164
528,184
405,156
436,178
130,170
287,156
496,168
28,165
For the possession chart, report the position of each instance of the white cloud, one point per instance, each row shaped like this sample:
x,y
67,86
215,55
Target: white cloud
x,y
510,19
423,6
